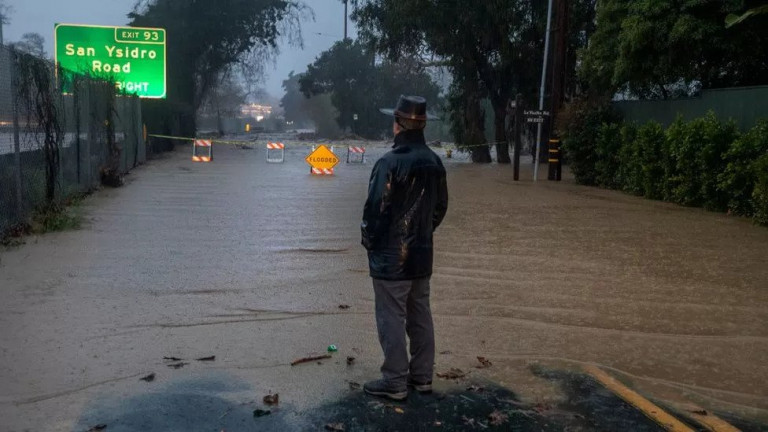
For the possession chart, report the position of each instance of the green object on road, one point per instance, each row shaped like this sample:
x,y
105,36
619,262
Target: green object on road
x,y
332,348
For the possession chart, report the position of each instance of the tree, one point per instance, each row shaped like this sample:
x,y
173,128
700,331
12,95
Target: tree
x,y
303,112
293,101
360,87
467,117
665,48
32,43
733,19
203,40
224,99
5,17
496,43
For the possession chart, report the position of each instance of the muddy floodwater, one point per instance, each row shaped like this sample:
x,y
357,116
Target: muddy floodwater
x,y
250,261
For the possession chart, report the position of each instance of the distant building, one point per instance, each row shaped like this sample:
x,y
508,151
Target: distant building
x,y
259,112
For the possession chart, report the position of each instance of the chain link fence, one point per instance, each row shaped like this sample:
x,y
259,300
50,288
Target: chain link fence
x,y
54,146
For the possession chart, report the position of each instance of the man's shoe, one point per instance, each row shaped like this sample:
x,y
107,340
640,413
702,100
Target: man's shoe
x,y
382,388
424,388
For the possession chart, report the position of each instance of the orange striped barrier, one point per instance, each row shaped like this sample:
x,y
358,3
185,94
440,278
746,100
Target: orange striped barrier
x,y
276,146
199,143
354,150
324,171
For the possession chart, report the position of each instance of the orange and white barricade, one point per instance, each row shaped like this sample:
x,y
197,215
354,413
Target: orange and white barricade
x,y
276,147
201,144
358,152
333,148
319,171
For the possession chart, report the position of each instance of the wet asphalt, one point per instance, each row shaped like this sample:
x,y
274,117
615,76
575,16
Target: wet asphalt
x,y
250,261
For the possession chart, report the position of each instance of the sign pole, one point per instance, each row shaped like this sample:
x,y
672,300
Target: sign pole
x,y
518,121
541,93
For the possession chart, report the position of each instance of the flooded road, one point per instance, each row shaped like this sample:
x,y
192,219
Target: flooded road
x,y
250,261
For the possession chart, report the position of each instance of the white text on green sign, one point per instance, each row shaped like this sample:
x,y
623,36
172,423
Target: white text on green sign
x,y
132,57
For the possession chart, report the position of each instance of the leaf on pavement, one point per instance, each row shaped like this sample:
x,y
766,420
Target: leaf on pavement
x,y
178,365
206,359
484,363
453,373
272,399
498,418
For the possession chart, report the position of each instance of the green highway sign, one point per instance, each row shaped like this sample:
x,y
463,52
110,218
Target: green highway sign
x,y
133,57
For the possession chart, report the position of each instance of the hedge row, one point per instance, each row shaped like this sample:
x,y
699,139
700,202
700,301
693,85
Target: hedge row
x,y
704,162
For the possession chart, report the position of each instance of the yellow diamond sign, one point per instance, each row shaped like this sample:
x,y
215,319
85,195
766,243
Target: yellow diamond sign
x,y
322,158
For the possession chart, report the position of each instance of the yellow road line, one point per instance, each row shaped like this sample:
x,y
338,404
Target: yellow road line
x,y
633,398
711,422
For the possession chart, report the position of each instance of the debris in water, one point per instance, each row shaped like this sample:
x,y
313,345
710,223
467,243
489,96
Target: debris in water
x,y
453,373
148,378
178,365
354,385
438,423
484,363
498,418
261,412
172,359
98,427
207,359
399,410
335,427
350,360
272,399
310,359
541,407
344,307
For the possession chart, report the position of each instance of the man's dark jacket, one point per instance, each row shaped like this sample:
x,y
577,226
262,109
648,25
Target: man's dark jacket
x,y
407,200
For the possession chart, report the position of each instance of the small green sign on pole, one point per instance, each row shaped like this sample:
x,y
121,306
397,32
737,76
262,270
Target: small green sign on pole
x,y
132,57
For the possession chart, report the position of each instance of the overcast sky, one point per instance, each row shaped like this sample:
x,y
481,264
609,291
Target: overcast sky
x,y
39,16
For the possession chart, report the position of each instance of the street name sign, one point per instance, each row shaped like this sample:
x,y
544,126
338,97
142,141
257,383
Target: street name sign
x,y
322,158
535,116
132,57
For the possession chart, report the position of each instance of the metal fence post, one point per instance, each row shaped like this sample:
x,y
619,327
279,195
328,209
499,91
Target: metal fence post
x,y
16,138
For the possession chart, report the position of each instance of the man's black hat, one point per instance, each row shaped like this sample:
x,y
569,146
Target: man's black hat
x,y
411,108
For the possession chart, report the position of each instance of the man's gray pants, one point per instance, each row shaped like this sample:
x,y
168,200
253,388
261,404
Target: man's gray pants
x,y
403,307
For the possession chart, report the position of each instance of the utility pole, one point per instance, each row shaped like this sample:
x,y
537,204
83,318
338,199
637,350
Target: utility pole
x,y
560,59
4,11
345,19
541,92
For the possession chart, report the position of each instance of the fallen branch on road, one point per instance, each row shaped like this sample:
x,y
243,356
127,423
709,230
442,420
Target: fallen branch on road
x,y
310,359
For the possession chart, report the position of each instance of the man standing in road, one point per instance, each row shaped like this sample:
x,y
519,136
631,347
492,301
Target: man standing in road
x,y
407,200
